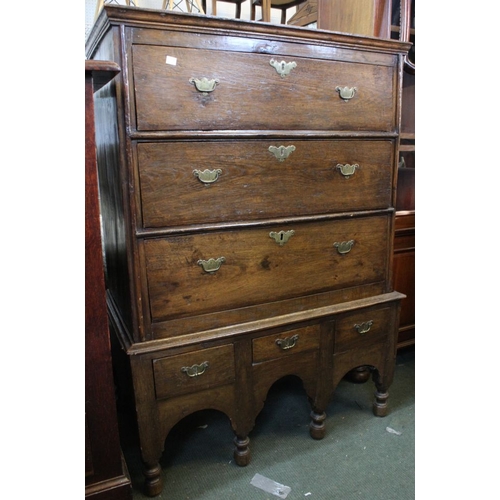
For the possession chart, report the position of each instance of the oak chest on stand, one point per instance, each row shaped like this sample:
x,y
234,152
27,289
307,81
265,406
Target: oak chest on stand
x,y
247,176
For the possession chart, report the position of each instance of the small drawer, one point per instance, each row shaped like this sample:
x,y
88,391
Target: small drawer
x,y
285,343
194,371
362,328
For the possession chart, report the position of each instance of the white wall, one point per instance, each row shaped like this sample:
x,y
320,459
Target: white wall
x,y
224,9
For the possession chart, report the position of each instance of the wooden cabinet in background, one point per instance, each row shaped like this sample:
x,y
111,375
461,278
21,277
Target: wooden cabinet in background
x,y
360,17
404,274
106,476
404,236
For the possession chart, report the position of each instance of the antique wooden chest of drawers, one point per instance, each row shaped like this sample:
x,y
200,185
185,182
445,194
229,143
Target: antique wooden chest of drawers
x,y
247,176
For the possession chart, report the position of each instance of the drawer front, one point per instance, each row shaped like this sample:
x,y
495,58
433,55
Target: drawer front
x,y
207,182
310,97
363,328
285,343
194,371
195,274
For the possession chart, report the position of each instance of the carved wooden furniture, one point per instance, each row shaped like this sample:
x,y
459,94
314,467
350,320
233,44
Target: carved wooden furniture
x,y
106,475
267,5
248,234
307,13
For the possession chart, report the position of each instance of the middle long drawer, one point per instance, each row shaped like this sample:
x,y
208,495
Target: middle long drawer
x,y
193,274
186,182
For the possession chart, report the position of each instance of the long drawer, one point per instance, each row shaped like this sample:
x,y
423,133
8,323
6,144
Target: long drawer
x,y
194,274
178,88
185,182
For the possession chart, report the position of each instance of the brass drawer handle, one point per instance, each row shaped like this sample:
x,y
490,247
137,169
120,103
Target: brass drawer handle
x,y
344,246
204,84
363,328
207,176
346,93
347,170
282,237
287,343
283,68
282,152
195,370
211,265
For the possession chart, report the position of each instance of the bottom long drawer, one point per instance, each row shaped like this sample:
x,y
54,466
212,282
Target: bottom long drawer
x,y
195,274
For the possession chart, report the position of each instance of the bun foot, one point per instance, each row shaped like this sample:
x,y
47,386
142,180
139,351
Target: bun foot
x,y
154,483
359,375
242,451
380,404
317,428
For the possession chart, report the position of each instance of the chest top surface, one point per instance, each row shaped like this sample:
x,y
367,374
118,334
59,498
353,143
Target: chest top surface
x,y
252,36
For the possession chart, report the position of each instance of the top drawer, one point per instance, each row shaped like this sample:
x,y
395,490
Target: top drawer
x,y
245,91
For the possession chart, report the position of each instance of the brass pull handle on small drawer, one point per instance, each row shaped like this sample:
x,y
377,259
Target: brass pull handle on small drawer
x,y
288,342
204,85
282,152
347,170
282,237
283,68
344,247
346,93
211,265
195,370
207,176
363,328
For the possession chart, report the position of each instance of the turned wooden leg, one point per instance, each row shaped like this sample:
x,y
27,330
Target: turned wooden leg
x,y
242,451
380,403
382,383
317,428
154,483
